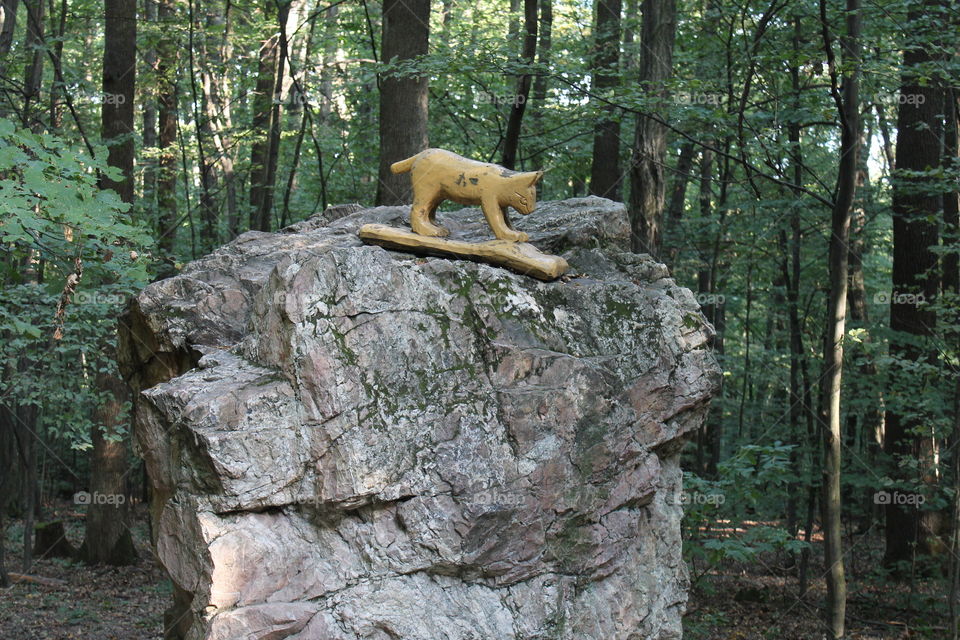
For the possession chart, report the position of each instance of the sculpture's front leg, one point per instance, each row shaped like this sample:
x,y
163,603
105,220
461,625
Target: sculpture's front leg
x,y
499,222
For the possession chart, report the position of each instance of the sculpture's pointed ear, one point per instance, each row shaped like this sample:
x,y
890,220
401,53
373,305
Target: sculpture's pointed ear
x,y
537,175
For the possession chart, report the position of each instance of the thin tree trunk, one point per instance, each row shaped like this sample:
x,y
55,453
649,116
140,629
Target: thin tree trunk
x,y
33,72
7,30
605,177
262,110
264,215
540,82
888,150
149,117
327,71
511,140
631,61
678,199
57,88
403,101
848,107
647,185
217,85
714,308
208,177
167,56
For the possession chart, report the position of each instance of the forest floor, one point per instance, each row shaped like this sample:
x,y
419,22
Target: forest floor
x,y
754,600
759,600
95,603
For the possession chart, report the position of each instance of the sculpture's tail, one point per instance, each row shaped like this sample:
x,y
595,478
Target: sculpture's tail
x,y
403,166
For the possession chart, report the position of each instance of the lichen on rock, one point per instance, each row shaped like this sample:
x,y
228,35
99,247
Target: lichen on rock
x,y
345,442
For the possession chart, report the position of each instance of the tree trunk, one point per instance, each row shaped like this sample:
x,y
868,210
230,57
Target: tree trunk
x,y
916,205
678,198
33,72
951,204
58,89
108,539
7,30
403,101
605,178
209,212
167,55
116,112
262,111
848,107
148,96
217,85
264,215
650,138
511,139
540,82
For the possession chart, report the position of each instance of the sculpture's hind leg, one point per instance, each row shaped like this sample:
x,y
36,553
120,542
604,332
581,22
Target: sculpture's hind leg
x,y
423,217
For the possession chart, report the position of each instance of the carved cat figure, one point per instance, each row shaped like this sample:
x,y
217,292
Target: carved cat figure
x,y
439,175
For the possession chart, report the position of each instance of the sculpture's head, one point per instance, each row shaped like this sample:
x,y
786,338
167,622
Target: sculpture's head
x,y
525,191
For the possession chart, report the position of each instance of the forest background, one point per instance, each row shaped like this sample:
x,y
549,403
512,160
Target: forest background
x,y
794,162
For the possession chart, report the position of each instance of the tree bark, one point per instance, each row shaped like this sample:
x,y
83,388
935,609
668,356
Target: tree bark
x,y
262,111
511,140
647,185
57,90
108,539
8,28
678,198
209,212
916,205
540,81
217,85
264,215
167,55
605,177
847,102
33,72
951,199
119,73
148,97
403,101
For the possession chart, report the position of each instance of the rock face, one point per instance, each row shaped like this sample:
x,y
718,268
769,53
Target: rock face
x,y
345,442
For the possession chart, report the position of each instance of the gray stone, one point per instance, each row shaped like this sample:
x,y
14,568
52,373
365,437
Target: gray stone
x,y
345,442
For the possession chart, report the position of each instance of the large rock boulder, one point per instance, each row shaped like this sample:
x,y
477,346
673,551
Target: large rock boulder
x,y
345,442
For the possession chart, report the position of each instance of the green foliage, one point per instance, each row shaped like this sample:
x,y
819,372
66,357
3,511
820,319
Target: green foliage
x,y
55,216
723,517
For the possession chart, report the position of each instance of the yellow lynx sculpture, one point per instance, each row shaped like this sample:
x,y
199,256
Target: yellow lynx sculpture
x,y
440,175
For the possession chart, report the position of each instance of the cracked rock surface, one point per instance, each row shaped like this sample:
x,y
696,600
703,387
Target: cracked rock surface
x,y
345,442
